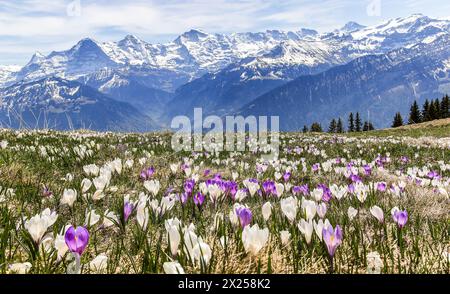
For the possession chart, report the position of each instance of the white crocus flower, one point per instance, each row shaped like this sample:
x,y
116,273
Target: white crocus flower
x,y
352,212
173,267
99,264
152,186
110,218
280,189
309,208
69,197
85,185
267,211
173,234
202,253
319,226
37,226
285,237
306,228
317,194
377,212
91,218
254,238
289,208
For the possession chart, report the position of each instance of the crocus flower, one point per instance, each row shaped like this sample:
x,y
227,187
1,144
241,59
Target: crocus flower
x,y
184,198
321,210
266,210
306,227
173,267
367,170
352,212
77,239
269,187
254,238
286,176
46,191
199,198
245,215
381,186
377,212
127,210
189,186
289,208
404,159
147,173
400,217
332,238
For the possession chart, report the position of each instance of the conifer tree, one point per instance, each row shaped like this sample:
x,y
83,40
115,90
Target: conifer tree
x,y
358,123
305,129
398,120
437,109
366,126
414,114
333,127
431,111
316,127
351,123
445,107
340,126
426,111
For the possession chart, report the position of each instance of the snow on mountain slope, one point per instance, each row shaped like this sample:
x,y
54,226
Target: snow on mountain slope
x,y
195,52
7,73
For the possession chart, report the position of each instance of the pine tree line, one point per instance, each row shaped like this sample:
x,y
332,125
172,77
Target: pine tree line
x,y
431,110
355,124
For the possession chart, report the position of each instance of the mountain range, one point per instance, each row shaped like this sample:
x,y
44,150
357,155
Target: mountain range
x,y
302,76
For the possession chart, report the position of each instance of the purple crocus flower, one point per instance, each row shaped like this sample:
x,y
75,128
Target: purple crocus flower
x,y
147,173
77,239
286,176
184,198
404,159
199,198
433,175
400,217
355,178
269,187
296,190
46,192
381,186
304,189
206,172
231,188
189,186
367,170
127,210
351,188
315,167
245,216
332,238
326,197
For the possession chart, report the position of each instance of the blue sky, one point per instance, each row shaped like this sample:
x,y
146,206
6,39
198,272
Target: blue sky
x,y
27,26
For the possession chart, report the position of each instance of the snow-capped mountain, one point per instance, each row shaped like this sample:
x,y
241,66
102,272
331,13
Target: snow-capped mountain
x,y
240,83
8,73
61,104
377,86
219,72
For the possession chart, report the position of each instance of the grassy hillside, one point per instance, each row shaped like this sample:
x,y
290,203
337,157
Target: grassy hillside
x,y
437,128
